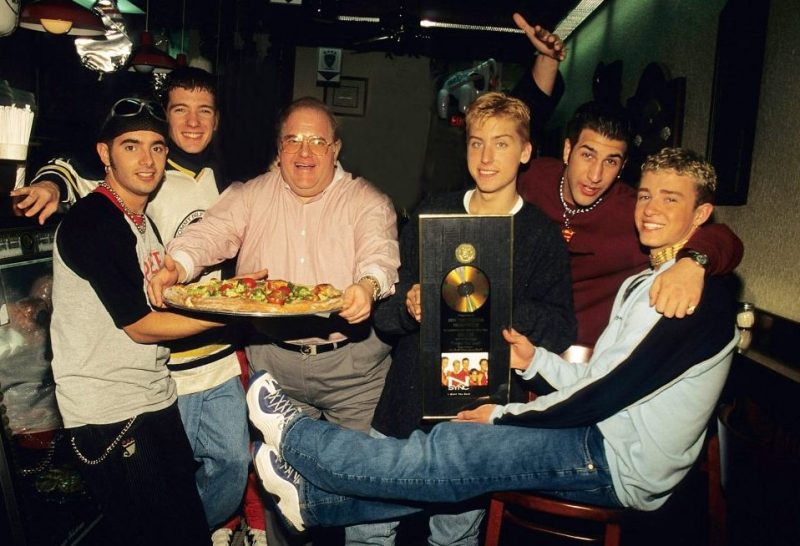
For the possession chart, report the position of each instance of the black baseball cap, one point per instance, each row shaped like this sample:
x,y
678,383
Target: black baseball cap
x,y
134,114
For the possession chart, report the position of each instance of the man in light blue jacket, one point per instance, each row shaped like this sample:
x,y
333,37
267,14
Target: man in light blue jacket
x,y
620,431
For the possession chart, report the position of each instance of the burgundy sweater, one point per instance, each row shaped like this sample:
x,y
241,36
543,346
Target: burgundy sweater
x,y
605,248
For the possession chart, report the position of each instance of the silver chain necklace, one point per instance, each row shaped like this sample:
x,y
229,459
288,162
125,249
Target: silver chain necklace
x,y
137,219
566,230
108,450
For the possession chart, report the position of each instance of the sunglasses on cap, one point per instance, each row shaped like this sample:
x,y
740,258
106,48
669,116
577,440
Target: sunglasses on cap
x,y
129,107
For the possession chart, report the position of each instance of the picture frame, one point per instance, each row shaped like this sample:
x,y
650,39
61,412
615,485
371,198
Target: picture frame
x,y
349,98
735,97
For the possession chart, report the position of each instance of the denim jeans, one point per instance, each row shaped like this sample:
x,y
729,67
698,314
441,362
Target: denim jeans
x,y
352,478
456,529
216,425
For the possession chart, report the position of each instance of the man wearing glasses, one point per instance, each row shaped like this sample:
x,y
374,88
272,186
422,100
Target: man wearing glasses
x,y
205,368
307,221
113,388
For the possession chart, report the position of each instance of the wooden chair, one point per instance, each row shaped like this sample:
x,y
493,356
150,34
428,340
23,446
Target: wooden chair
x,y
608,532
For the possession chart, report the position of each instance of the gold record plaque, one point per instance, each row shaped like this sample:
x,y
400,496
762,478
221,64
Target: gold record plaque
x,y
465,275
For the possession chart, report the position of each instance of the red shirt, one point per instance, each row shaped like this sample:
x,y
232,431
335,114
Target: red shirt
x,y
605,248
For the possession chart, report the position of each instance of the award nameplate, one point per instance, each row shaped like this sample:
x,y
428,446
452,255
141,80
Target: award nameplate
x,y
466,272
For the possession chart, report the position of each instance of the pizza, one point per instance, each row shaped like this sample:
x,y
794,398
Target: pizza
x,y
255,297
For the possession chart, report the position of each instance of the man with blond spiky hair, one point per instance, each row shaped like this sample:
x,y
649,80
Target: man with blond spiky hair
x,y
621,431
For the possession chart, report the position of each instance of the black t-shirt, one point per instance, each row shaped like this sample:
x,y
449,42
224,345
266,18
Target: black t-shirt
x,y
97,243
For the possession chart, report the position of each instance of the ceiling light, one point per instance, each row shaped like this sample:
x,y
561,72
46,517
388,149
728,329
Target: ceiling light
x,y
357,19
147,57
123,6
60,17
427,23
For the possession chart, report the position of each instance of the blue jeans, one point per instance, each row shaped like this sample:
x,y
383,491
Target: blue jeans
x,y
216,425
454,462
456,529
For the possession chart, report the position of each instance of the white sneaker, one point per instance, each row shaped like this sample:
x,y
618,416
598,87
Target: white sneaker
x,y
255,537
282,482
269,408
222,537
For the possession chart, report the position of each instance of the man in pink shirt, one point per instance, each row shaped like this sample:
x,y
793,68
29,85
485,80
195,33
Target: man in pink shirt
x,y
309,222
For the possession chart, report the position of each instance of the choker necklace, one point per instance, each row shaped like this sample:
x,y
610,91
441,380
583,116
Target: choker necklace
x,y
137,219
566,230
664,255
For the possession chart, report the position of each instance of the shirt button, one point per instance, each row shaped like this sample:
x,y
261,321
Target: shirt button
x,y
303,233
302,260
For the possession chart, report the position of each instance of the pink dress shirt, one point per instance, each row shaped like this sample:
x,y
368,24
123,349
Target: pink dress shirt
x,y
348,231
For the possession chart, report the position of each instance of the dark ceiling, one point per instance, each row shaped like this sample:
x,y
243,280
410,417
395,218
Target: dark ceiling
x,y
314,23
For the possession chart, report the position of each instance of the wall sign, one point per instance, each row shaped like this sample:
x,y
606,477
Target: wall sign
x,y
329,65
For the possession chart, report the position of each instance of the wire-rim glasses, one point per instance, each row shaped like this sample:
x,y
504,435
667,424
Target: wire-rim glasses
x,y
292,144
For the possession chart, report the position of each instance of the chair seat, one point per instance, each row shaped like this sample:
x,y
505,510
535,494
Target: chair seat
x,y
608,533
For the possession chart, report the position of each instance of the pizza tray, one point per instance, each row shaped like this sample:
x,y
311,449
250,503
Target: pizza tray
x,y
175,297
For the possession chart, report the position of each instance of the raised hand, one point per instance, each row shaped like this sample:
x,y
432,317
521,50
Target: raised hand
x,y
545,42
522,350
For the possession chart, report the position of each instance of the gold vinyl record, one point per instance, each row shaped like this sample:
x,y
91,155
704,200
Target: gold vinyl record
x,y
465,289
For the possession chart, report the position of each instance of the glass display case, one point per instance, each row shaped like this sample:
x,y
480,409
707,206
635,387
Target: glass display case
x,y
43,500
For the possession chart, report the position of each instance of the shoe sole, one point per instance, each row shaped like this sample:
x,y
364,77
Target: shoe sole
x,y
282,491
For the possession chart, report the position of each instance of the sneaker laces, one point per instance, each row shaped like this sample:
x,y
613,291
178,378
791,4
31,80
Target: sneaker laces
x,y
289,472
280,403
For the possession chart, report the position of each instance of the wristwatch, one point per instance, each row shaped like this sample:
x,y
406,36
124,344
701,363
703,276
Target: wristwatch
x,y
698,257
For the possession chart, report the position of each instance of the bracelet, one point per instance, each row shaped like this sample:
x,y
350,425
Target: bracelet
x,y
376,286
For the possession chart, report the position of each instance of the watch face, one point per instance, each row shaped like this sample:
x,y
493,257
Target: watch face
x,y
702,259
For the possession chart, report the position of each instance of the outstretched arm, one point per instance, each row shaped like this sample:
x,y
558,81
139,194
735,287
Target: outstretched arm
x,y
41,198
676,292
59,179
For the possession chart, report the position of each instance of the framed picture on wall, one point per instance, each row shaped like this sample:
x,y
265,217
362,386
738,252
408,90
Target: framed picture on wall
x,y
735,94
349,98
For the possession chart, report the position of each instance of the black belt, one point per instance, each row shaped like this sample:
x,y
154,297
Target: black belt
x,y
312,349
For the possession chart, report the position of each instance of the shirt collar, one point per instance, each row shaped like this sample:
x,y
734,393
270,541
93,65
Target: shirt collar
x,y
338,174
515,209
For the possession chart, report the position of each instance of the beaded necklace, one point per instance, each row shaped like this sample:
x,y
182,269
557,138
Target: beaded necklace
x,y
137,219
566,230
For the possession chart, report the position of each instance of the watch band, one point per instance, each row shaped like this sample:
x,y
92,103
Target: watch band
x,y
698,257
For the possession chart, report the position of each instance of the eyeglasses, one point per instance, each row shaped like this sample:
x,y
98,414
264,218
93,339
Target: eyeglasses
x,y
294,143
129,107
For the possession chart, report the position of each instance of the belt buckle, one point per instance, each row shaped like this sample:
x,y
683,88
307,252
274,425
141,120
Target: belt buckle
x,y
308,350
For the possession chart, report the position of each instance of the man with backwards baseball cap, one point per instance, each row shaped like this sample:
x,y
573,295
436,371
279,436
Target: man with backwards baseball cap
x,y
113,389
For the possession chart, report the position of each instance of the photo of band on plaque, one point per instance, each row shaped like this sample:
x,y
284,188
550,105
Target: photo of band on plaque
x,y
465,276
